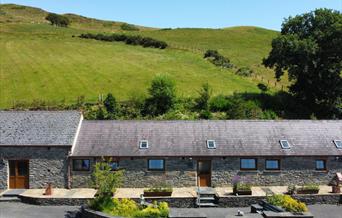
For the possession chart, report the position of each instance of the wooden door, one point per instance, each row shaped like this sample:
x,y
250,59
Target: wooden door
x,y
204,173
19,174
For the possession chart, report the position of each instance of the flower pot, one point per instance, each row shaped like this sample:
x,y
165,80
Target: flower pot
x,y
336,189
242,192
156,194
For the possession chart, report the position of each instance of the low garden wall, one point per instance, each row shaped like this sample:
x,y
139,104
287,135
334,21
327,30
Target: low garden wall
x,y
54,201
88,213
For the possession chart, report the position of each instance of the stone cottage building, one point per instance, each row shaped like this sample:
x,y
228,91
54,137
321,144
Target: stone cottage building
x,y
61,148
34,147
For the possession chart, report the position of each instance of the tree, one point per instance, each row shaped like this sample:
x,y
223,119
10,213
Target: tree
x,y
57,20
310,50
202,102
110,103
162,95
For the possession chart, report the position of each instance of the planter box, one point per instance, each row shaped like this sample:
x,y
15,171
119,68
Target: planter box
x,y
156,194
242,192
336,189
301,191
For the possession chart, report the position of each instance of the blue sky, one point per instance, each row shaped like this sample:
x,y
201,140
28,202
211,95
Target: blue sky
x,y
187,13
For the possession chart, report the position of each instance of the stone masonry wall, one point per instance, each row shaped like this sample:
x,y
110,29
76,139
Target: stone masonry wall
x,y
81,179
46,164
182,172
293,170
178,173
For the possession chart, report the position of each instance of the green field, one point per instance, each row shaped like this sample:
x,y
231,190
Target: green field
x,y
39,61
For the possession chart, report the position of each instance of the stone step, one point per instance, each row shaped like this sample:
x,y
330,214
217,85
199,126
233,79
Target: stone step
x,y
207,205
207,198
9,199
13,192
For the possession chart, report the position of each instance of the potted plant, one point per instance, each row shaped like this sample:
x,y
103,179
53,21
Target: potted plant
x,y
241,187
308,189
335,183
282,203
161,190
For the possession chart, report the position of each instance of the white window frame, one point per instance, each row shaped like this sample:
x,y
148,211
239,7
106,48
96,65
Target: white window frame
x,y
337,146
282,145
141,142
211,140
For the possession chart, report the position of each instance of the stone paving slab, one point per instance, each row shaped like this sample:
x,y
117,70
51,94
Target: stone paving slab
x,y
61,193
188,192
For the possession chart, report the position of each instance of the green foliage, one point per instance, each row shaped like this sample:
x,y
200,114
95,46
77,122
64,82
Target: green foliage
x,y
219,103
124,208
291,189
202,102
243,186
162,187
104,179
241,109
219,60
128,39
287,202
57,20
310,187
110,103
154,210
162,95
129,27
310,50
263,87
244,71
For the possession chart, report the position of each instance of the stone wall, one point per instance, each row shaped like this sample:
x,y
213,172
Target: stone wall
x,y
293,170
181,172
81,179
46,164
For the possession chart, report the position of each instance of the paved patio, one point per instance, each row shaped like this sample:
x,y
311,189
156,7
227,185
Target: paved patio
x,y
61,193
177,192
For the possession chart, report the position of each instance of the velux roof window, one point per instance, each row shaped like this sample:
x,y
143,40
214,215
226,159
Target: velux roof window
x,y
143,144
211,144
285,144
338,144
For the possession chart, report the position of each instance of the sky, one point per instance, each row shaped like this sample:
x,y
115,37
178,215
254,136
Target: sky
x,y
187,13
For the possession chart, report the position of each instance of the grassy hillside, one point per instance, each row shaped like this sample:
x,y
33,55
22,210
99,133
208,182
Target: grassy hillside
x,y
39,61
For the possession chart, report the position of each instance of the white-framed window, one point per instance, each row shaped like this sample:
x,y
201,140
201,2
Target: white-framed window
x,y
143,144
285,144
211,144
338,144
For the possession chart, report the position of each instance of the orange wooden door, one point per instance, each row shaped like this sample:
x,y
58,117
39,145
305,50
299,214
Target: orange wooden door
x,y
204,173
19,174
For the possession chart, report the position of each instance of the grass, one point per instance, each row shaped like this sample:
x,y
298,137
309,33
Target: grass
x,y
39,61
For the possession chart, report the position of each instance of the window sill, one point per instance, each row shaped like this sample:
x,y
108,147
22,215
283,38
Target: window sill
x,y
272,171
321,171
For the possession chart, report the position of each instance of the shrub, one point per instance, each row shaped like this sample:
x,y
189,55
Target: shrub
x,y
243,187
311,187
128,39
241,109
219,103
104,179
124,207
110,103
129,27
202,102
287,202
57,20
214,57
154,210
263,87
244,71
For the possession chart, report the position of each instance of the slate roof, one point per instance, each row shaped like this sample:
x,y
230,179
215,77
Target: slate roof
x,y
188,138
38,128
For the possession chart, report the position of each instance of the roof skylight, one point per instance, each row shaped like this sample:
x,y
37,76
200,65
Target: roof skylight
x,y
143,144
338,144
211,144
285,144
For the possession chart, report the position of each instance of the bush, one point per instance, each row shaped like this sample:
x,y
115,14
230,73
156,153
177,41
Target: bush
x,y
124,207
57,20
154,210
214,57
244,71
219,103
263,87
243,187
241,109
129,27
128,39
110,103
310,187
287,202
202,102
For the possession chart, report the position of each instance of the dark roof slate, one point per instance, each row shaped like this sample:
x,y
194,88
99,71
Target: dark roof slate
x,y
188,138
38,128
